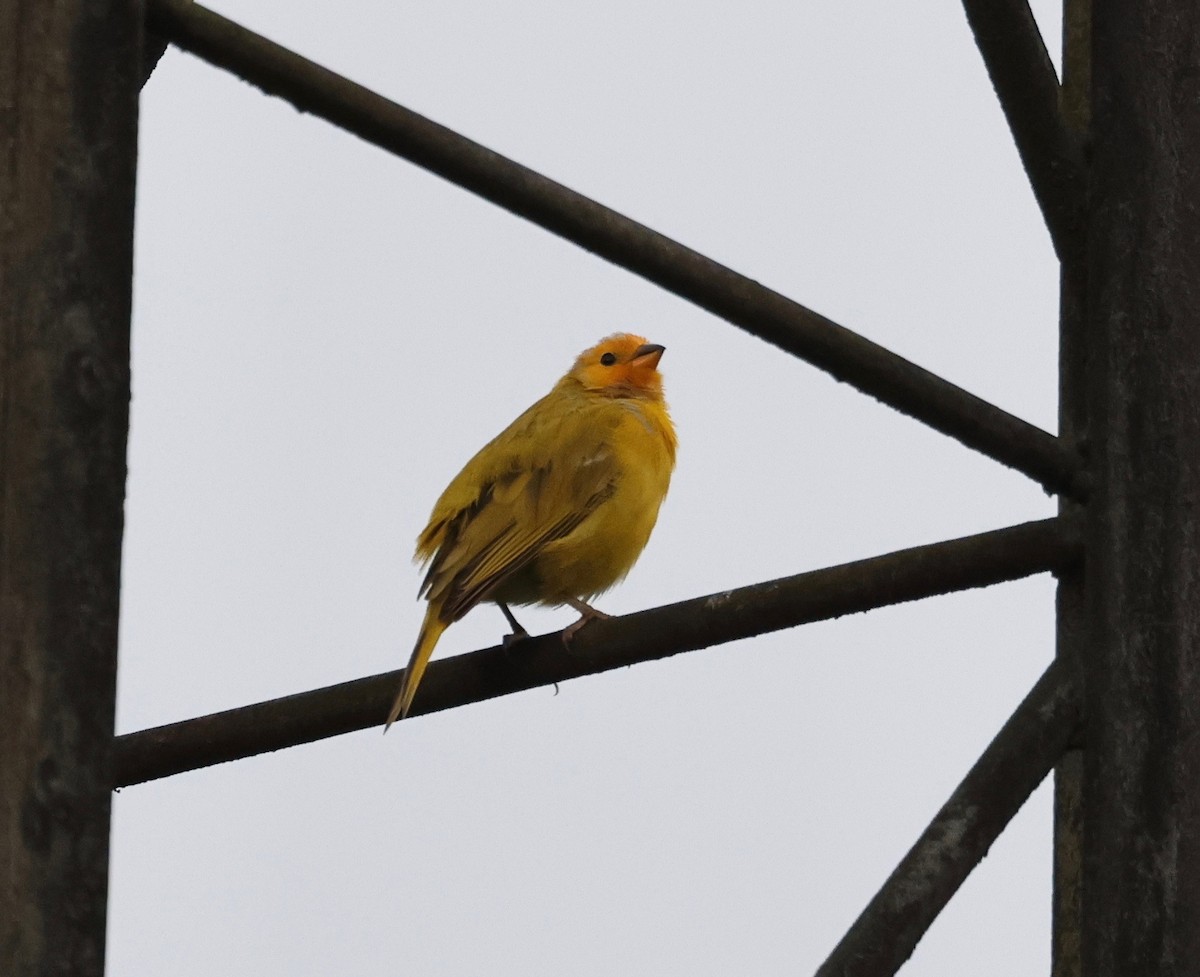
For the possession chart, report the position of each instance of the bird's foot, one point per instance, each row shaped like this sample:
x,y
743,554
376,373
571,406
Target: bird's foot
x,y
509,640
518,635
586,613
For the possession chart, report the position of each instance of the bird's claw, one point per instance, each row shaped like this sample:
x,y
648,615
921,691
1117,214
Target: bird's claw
x,y
519,633
587,613
509,640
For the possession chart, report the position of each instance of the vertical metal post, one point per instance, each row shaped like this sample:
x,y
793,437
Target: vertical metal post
x,y
1066,960
69,73
1141,843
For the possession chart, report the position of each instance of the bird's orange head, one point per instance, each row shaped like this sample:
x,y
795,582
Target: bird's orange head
x,y
623,365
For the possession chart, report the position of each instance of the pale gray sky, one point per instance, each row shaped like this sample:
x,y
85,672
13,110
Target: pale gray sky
x,y
323,334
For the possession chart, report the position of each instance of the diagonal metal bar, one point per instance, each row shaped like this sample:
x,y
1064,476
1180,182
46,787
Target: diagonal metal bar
x,y
722,291
1023,76
911,574
1017,760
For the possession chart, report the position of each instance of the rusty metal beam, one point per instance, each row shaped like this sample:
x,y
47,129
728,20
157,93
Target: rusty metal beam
x,y
1022,74
1012,766
923,571
1072,621
68,139
1141,789
614,237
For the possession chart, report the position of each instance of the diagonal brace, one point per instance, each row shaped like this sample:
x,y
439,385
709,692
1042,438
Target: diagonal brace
x,y
1023,76
1017,760
740,300
911,574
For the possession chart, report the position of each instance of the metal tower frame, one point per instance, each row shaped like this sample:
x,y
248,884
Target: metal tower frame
x,y
1113,157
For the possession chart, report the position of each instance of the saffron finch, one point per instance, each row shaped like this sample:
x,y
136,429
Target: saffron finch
x,y
558,506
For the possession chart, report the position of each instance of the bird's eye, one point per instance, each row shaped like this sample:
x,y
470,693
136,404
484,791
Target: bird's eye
x,y
608,359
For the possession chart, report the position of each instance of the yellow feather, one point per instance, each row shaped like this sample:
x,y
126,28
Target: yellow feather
x,y
558,506
431,630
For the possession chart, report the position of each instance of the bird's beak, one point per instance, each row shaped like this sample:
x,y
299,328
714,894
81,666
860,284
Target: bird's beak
x,y
648,355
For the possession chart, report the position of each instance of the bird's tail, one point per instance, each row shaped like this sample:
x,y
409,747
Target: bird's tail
x,y
431,630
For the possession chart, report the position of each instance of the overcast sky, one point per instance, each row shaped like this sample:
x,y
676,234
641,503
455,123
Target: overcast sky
x,y
323,334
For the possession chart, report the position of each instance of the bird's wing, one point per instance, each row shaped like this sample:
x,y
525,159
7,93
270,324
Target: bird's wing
x,y
532,485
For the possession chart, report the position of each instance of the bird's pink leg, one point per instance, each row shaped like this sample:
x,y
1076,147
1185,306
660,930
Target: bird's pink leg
x,y
586,613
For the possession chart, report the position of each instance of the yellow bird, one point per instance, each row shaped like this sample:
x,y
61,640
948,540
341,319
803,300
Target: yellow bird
x,y
558,506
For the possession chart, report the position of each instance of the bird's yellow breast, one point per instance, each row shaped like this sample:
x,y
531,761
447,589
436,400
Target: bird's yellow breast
x,y
603,548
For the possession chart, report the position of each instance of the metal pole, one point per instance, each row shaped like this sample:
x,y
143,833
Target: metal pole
x,y
701,622
1141,790
1074,102
69,74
